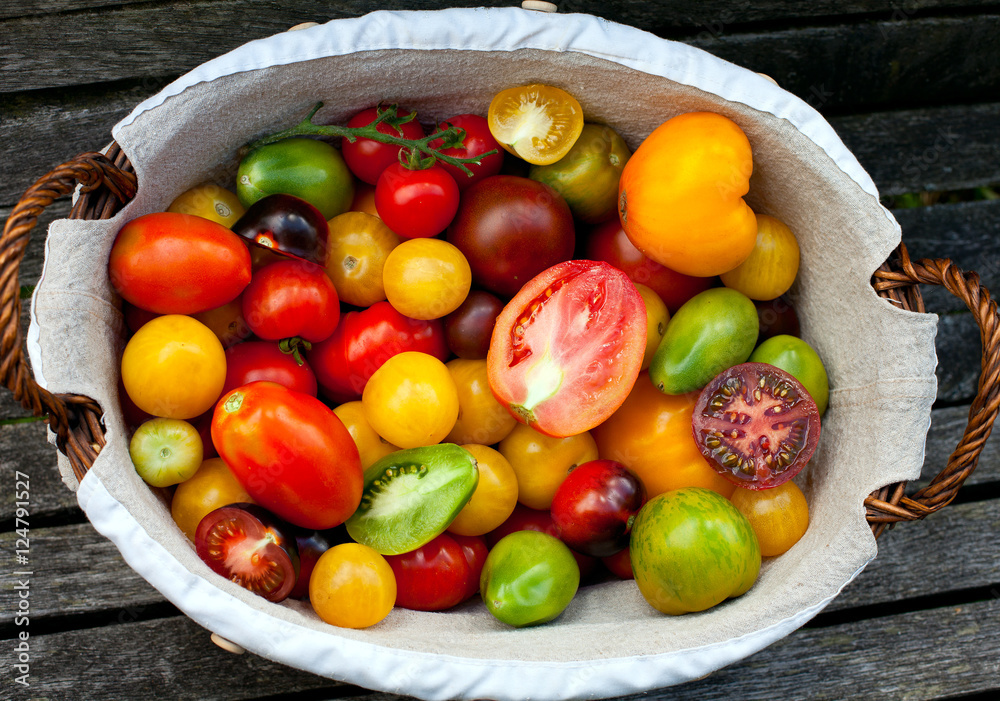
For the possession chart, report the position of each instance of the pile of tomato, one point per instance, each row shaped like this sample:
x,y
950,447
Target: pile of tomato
x,y
504,356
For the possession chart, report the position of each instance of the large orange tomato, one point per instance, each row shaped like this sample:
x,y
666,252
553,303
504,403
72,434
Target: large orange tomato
x,y
680,197
651,434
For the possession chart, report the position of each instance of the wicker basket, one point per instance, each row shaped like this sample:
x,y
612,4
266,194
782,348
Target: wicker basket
x,y
106,183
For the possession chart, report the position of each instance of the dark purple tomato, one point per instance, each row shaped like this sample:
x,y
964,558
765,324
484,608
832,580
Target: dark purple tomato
x,y
312,544
288,225
776,317
265,360
434,577
510,229
595,506
469,328
248,545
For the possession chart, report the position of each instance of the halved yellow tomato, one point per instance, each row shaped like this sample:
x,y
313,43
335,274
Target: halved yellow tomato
x,y
539,123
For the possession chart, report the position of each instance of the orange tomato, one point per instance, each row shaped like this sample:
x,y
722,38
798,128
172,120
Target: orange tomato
x,y
779,516
651,435
357,248
212,486
680,197
352,586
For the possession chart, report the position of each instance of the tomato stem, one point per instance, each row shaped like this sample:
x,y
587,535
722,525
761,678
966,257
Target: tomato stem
x,y
420,153
293,346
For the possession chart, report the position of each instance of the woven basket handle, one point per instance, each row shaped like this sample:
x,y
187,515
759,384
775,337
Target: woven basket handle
x,y
897,280
74,419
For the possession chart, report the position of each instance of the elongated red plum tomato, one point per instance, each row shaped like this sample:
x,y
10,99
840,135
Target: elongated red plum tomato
x,y
510,229
172,263
291,298
247,545
416,203
756,425
567,349
368,158
290,452
478,140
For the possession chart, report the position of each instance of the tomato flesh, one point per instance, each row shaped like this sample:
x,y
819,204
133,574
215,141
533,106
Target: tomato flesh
x,y
567,349
756,425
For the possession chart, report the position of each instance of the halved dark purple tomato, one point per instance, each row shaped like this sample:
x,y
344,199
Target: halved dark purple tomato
x,y
756,425
248,545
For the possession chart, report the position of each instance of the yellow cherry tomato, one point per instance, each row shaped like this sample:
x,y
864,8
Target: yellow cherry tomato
x,y
481,418
411,400
174,367
212,486
541,462
426,278
773,263
356,251
210,201
371,446
539,123
495,496
657,316
680,197
352,586
779,516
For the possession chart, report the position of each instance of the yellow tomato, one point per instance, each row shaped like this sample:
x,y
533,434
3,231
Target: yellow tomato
x,y
356,252
212,486
352,586
773,263
227,322
541,462
680,196
481,418
657,316
779,516
650,434
210,201
426,278
539,123
411,400
371,446
174,367
495,496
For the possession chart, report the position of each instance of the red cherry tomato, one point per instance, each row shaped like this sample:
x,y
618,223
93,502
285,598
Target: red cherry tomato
x,y
609,243
567,349
264,360
525,519
620,564
475,549
416,203
290,452
367,158
363,341
291,298
478,140
434,577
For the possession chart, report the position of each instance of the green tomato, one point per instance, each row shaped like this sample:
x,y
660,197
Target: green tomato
x,y
529,578
801,361
306,168
411,496
587,177
691,549
712,331
166,451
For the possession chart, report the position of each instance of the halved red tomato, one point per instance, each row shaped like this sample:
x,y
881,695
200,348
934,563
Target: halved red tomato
x,y
567,349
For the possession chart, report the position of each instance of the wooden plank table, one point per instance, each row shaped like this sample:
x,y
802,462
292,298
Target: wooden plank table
x,y
912,87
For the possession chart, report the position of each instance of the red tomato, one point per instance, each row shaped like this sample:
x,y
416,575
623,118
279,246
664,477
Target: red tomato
x,y
363,341
264,360
610,243
367,158
478,140
290,452
172,263
475,549
567,349
620,564
291,298
434,577
416,203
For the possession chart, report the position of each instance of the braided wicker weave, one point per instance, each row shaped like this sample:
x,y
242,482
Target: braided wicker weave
x,y
107,183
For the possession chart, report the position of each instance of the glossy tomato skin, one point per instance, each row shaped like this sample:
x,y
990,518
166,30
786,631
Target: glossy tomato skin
x,y
286,226
291,298
478,140
801,361
595,506
779,516
469,328
367,158
475,550
172,263
311,546
511,229
361,344
610,243
212,486
567,349
264,360
352,586
691,549
290,452
526,519
416,203
434,577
